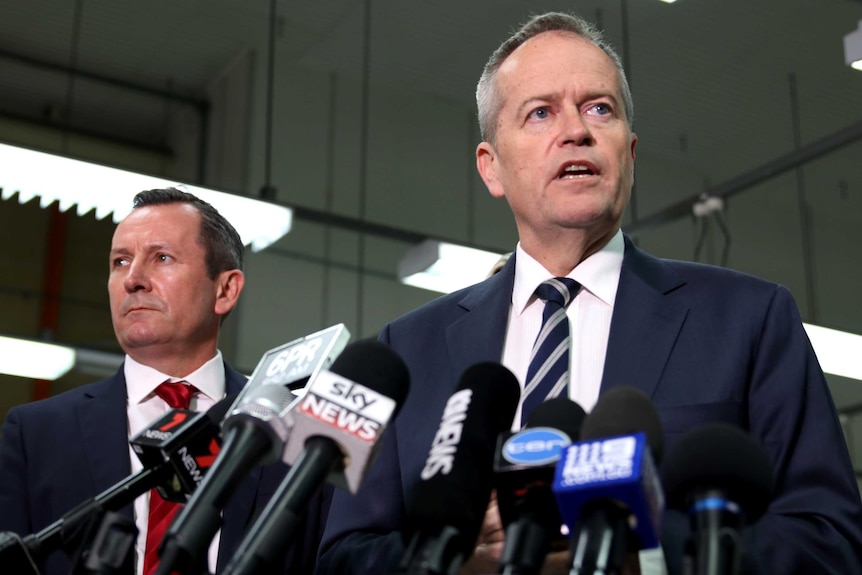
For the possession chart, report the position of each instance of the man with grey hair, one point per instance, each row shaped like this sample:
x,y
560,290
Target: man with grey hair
x,y
703,343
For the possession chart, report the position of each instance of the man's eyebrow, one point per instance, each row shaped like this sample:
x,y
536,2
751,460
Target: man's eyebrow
x,y
151,247
530,100
601,95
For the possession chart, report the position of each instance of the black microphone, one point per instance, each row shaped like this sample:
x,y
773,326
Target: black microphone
x,y
112,548
607,485
524,468
254,433
723,479
450,500
168,444
191,452
336,430
15,556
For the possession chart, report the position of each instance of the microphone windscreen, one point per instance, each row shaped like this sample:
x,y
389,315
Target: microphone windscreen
x,y
456,480
623,411
376,366
559,413
719,456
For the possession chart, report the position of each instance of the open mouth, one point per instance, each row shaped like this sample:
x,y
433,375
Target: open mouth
x,y
576,170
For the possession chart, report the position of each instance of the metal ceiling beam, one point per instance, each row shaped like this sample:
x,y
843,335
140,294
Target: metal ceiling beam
x,y
776,167
199,103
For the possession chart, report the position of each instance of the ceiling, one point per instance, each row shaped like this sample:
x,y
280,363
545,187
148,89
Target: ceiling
x,y
713,80
725,86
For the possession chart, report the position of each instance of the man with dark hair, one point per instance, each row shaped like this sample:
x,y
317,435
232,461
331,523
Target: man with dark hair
x,y
221,242
175,272
703,343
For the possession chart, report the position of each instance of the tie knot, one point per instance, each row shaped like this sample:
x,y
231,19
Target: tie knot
x,y
177,394
558,290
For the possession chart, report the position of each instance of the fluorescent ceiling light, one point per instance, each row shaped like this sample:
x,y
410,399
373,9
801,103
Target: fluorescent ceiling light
x,y
668,1
444,267
853,48
34,359
93,187
838,352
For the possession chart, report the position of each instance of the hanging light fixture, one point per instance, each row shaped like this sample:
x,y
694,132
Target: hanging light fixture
x,y
853,48
34,359
105,190
445,267
837,351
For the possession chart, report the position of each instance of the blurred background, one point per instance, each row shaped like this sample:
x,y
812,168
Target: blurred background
x,y
359,115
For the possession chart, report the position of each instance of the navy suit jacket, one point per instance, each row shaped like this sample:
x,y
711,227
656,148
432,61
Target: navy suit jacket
x,y
704,343
60,452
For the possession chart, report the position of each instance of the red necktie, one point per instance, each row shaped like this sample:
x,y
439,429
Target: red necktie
x,y
178,395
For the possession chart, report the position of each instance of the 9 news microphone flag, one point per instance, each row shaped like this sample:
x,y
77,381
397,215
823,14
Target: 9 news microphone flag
x,y
609,480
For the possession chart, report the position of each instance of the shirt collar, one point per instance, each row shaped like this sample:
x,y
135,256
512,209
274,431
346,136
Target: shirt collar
x,y
142,380
599,274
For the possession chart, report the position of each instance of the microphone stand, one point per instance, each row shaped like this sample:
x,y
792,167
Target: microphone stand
x,y
602,542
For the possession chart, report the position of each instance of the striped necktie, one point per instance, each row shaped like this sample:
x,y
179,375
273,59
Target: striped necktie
x,y
178,395
548,373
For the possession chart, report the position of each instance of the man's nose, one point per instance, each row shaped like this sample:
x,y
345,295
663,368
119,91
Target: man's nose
x,y
574,129
137,278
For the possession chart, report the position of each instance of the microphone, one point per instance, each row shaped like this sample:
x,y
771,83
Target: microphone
x,y
253,433
279,372
723,479
188,441
524,468
167,448
449,502
15,556
112,548
607,485
336,429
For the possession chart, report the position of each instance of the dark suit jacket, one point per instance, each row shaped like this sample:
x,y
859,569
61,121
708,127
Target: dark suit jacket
x,y
57,453
704,343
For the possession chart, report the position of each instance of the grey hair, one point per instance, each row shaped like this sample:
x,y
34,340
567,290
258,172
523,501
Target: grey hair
x,y
488,99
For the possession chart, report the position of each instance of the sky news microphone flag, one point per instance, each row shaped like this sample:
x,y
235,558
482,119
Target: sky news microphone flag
x,y
254,434
336,426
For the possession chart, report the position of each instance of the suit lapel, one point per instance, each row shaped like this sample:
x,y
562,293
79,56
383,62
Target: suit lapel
x,y
102,420
644,326
645,323
101,415
480,334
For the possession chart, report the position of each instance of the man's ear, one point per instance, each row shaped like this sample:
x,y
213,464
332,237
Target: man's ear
x,y
228,287
487,163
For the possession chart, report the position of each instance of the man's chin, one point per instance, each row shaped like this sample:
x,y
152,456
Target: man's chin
x,y
140,338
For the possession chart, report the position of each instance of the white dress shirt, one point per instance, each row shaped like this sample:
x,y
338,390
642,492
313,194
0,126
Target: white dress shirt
x,y
589,316
144,407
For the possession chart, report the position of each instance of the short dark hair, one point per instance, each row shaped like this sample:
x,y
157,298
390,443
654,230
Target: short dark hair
x,y
488,98
221,242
